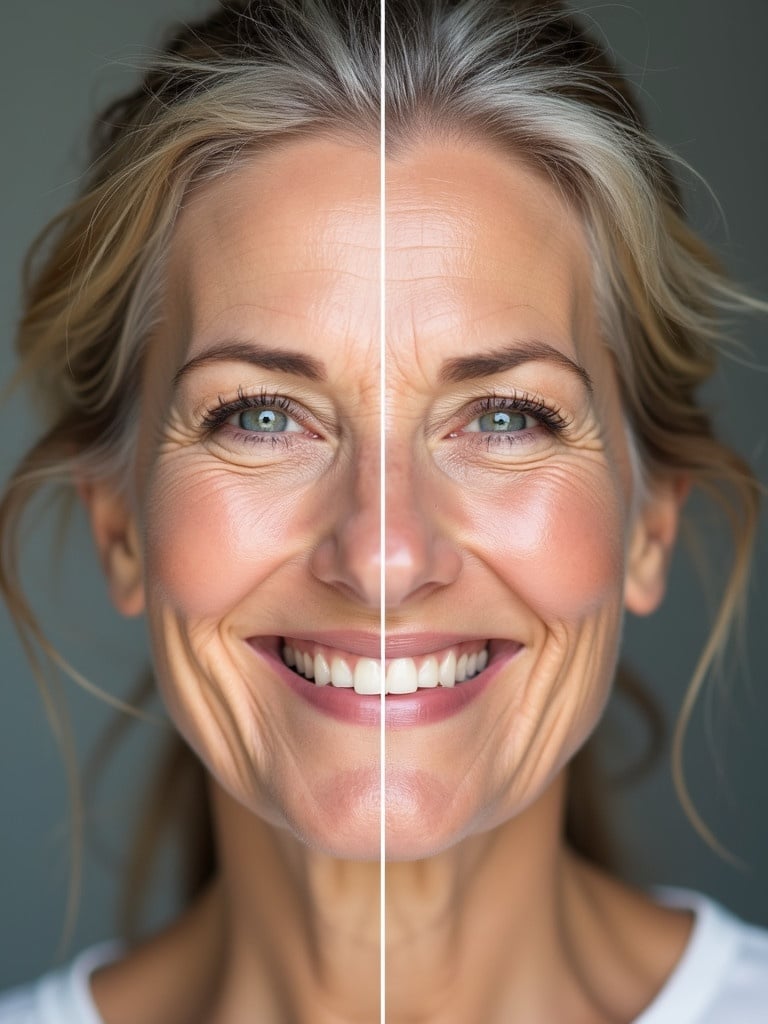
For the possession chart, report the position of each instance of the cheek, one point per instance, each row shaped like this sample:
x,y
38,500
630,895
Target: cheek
x,y
213,535
557,540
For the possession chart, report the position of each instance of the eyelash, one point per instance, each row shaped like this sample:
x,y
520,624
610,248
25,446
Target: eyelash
x,y
550,416
217,417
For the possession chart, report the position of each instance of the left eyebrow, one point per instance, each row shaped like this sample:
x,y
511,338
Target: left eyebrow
x,y
485,364
256,354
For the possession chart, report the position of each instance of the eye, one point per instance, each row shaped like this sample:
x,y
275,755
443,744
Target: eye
x,y
264,420
257,418
501,421
518,417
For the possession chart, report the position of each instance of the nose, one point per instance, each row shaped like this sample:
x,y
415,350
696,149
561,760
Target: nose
x,y
417,557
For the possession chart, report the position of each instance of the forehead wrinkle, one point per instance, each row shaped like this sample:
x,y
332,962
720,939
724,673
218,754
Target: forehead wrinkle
x,y
445,311
317,300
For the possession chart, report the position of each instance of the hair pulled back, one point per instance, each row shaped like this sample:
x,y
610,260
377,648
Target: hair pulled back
x,y
519,74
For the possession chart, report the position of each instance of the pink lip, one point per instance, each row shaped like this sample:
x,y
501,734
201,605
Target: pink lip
x,y
424,707
368,645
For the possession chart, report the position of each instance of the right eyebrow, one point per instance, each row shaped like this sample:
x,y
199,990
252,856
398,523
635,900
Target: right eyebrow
x,y
488,363
257,354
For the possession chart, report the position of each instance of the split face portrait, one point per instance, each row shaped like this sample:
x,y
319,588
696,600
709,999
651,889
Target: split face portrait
x,y
375,374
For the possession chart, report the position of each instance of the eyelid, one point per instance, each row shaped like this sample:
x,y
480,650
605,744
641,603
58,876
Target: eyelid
x,y
217,415
551,416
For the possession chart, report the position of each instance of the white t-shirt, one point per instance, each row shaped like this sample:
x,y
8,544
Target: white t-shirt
x,y
721,978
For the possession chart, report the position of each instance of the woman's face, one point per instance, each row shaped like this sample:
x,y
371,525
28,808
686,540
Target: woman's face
x,y
507,491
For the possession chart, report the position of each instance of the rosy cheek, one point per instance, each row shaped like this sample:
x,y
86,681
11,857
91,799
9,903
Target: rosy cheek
x,y
556,541
213,536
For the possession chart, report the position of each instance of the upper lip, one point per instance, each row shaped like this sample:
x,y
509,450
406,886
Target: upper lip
x,y
397,645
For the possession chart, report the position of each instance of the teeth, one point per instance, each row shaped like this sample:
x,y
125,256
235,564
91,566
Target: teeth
x,y
340,673
367,676
461,668
427,676
288,656
402,674
446,671
322,671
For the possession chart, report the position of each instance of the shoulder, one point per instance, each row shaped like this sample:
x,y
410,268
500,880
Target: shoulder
x,y
742,992
61,997
722,976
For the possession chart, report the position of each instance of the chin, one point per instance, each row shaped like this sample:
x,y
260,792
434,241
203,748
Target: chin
x,y
357,841
422,817
342,819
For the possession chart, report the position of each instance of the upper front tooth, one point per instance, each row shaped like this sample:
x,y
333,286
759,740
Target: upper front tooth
x,y
367,676
322,670
446,670
340,673
461,669
309,666
427,675
402,676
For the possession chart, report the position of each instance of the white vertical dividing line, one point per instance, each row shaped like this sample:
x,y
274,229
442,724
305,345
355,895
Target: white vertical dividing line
x,y
382,507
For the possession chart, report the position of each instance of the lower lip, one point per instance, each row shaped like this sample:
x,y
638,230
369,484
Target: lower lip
x,y
402,711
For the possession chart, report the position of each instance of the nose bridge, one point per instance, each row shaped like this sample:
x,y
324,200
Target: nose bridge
x,y
361,522
418,557
406,529
349,555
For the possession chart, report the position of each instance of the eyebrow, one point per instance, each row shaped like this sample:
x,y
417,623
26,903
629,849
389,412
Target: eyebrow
x,y
256,354
485,364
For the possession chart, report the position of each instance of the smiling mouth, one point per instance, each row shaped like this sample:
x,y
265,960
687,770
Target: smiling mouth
x,y
326,666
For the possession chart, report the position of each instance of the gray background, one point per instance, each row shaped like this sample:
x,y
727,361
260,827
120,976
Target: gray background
x,y
701,69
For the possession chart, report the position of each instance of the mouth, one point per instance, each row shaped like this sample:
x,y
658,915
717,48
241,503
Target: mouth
x,y
328,666
433,676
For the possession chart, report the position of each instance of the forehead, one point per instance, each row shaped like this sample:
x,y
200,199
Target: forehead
x,y
478,248
481,249
287,243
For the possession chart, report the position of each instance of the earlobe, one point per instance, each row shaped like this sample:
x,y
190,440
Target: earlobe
x,y
651,544
117,541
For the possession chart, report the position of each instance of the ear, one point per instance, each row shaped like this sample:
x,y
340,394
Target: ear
x,y
116,536
651,544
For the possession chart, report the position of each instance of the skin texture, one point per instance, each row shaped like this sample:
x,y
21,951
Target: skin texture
x,y
528,536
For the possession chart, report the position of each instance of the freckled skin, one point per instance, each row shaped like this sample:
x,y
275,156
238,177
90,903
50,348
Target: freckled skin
x,y
524,542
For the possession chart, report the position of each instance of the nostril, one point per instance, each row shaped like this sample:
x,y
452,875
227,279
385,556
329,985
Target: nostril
x,y
353,569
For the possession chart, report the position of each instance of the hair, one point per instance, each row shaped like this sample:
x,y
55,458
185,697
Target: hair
x,y
519,74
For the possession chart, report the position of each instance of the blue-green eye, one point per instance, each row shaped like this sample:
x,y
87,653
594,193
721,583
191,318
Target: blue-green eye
x,y
500,421
265,421
257,417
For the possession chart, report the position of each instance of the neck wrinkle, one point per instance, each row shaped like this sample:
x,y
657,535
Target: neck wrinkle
x,y
474,932
469,930
303,927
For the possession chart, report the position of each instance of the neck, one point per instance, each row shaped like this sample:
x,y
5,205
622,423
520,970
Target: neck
x,y
482,921
300,929
506,925
482,925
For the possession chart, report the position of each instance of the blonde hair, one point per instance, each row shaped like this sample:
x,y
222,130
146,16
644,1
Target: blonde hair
x,y
519,73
